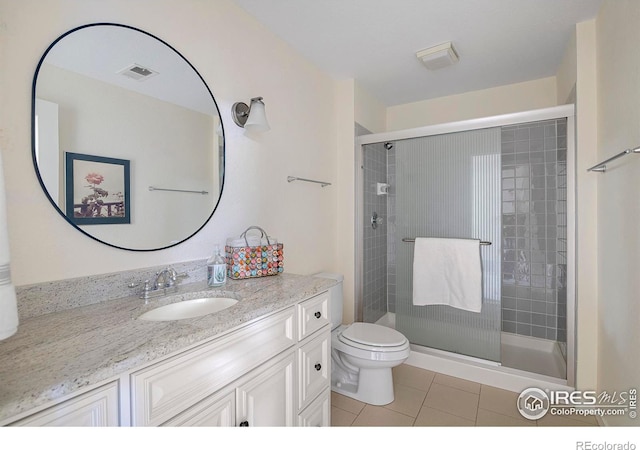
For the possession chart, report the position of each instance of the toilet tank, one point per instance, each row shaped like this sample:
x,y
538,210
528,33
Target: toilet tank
x,y
336,297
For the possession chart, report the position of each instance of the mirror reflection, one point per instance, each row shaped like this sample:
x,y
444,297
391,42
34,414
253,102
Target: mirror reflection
x,y
127,138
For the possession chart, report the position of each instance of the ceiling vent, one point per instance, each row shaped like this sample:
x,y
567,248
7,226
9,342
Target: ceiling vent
x,y
138,72
437,57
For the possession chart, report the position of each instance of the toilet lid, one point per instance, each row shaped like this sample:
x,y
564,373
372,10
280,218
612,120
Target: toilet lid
x,y
374,335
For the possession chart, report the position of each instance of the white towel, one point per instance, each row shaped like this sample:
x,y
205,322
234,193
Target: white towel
x,y
8,304
447,272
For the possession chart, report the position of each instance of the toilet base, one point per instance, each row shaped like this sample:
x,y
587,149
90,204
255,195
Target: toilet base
x,y
374,386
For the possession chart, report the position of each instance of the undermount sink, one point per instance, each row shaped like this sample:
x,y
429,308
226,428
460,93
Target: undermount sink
x,y
189,309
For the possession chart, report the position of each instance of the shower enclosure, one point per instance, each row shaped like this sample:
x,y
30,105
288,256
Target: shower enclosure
x,y
503,180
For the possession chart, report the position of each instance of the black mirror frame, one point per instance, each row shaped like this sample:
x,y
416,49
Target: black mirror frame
x,y
33,136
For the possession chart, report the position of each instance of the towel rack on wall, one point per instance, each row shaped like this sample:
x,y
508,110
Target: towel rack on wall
x,y
602,167
414,239
321,183
151,188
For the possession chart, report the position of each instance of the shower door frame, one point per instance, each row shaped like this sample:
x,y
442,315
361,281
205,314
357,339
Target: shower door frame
x,y
557,112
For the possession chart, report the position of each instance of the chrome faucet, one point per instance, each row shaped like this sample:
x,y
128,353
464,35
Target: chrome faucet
x,y
166,278
165,282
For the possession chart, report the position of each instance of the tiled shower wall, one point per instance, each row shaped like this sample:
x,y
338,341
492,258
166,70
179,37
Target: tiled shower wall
x,y
375,239
534,229
379,265
391,230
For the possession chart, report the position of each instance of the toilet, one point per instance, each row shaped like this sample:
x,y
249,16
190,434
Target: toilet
x,y
363,354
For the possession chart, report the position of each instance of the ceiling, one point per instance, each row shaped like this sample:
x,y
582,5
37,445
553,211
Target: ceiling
x,y
374,41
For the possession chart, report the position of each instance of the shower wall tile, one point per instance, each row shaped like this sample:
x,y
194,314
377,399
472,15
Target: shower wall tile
x,y
534,229
391,231
375,240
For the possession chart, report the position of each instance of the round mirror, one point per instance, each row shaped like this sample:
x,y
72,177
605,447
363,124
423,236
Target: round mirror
x,y
128,143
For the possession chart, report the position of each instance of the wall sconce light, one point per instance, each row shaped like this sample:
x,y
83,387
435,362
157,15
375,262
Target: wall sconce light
x,y
251,118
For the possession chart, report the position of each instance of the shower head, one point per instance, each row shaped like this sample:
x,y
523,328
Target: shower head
x,y
388,145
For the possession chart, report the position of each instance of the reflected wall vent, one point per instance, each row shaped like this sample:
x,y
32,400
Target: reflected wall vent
x,y
138,72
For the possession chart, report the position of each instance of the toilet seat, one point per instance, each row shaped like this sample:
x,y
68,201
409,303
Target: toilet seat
x,y
372,337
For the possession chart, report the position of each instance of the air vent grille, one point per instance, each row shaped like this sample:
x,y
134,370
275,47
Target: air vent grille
x,y
138,72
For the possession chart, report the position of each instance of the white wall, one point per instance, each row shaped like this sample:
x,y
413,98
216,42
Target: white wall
x,y
618,203
567,72
576,82
586,207
471,105
302,140
345,217
369,111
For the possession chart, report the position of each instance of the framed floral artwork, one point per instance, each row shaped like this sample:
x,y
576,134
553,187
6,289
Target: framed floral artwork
x,y
97,189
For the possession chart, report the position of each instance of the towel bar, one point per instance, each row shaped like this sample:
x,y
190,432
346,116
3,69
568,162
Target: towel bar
x,y
321,183
414,239
602,167
152,188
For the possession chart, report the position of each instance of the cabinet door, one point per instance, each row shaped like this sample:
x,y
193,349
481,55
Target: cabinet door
x,y
215,411
318,413
267,397
96,408
314,368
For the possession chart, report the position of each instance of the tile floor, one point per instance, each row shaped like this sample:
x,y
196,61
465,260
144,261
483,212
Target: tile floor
x,y
425,398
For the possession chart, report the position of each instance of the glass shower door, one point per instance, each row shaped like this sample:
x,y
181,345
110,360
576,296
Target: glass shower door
x,y
449,186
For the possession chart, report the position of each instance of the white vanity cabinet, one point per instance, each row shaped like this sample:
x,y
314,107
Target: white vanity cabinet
x,y
314,361
268,373
96,408
273,371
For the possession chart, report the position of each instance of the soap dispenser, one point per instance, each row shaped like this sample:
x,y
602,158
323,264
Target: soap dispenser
x,y
216,269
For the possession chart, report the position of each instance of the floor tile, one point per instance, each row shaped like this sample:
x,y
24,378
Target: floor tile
x,y
346,403
341,418
453,401
413,377
429,417
500,401
457,383
407,400
488,418
424,398
379,416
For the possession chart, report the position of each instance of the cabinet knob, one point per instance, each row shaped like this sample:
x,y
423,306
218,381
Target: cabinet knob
x,y
244,424
318,367
317,314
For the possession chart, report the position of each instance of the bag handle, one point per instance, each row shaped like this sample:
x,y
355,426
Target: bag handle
x,y
253,227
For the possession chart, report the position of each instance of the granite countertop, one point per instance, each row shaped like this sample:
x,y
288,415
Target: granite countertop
x,y
53,355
